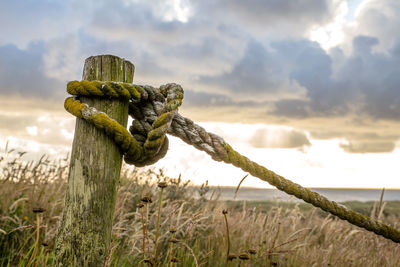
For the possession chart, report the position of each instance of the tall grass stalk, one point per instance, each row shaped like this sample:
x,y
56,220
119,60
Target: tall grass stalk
x,y
161,185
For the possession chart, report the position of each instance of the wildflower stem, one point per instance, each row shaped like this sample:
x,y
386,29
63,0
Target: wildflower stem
x,y
227,235
37,240
171,250
40,256
158,224
144,234
147,227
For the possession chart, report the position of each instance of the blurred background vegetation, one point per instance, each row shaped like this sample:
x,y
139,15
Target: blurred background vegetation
x,y
270,233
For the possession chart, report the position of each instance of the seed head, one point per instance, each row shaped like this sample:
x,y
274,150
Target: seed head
x,y
252,251
174,259
162,184
172,230
224,212
244,256
231,257
148,261
146,199
174,240
38,210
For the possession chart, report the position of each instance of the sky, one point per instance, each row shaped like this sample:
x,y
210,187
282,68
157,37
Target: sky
x,y
308,88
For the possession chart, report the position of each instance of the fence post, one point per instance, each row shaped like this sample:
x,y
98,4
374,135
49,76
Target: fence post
x,y
84,234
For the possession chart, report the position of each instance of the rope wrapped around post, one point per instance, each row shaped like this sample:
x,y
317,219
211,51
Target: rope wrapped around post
x,y
155,113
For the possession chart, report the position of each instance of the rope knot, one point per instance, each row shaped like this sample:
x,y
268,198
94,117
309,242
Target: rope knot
x,y
152,117
152,110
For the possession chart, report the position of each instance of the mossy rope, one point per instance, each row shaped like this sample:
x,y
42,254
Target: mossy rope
x,y
155,113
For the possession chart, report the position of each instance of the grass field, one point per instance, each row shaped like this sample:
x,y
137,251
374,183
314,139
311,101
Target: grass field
x,y
193,230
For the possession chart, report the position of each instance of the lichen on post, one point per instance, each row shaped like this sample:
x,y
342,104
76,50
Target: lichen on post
x,y
84,235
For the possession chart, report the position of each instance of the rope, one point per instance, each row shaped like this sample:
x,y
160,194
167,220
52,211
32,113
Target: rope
x,y
154,112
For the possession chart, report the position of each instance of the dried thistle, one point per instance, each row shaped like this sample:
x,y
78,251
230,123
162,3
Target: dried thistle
x,y
231,257
38,210
162,184
173,240
174,259
252,251
244,256
172,230
146,199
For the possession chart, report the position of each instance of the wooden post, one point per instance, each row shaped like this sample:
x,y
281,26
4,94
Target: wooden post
x,y
84,234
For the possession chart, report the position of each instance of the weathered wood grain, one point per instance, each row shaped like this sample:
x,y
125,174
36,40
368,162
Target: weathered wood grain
x,y
84,234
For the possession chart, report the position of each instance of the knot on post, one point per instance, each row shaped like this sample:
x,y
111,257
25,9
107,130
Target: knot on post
x,y
152,110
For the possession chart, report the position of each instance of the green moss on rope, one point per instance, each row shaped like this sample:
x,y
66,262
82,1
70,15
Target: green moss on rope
x,y
104,89
134,153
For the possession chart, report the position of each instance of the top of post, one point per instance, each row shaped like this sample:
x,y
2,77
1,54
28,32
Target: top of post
x,y
108,68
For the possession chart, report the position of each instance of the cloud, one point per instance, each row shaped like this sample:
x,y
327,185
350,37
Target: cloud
x,y
362,139
368,147
278,138
214,37
238,61
22,73
24,22
377,18
202,99
267,18
43,128
375,77
259,75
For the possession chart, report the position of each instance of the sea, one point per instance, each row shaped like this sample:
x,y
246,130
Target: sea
x,y
335,194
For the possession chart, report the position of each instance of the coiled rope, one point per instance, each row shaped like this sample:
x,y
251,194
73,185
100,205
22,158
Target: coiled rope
x,y
155,113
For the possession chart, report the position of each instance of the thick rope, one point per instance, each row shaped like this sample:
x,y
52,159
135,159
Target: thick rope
x,y
149,142
155,113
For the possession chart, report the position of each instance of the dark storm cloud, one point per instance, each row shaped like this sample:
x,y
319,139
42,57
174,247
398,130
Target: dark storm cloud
x,y
22,73
276,70
366,82
256,72
376,76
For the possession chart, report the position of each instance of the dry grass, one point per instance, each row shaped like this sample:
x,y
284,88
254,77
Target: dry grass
x,y
279,236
